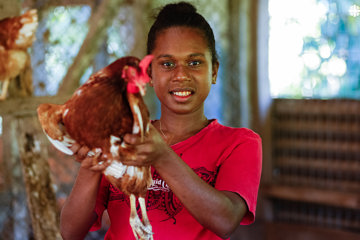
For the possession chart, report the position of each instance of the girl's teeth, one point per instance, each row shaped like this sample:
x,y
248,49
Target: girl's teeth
x,y
182,94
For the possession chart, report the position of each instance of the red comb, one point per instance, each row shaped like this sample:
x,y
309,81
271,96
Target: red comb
x,y
144,64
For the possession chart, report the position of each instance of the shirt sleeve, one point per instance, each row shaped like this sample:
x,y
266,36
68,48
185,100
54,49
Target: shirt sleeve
x,y
101,203
240,172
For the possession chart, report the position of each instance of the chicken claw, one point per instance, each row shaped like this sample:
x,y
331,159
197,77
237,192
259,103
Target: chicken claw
x,y
144,231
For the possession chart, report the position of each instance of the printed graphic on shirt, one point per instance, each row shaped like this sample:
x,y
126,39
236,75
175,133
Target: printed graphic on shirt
x,y
159,195
117,195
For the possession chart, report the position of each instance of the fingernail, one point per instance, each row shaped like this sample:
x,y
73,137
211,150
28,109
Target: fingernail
x,y
90,154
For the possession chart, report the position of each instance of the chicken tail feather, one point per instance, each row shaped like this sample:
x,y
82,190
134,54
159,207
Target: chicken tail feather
x,y
50,117
64,145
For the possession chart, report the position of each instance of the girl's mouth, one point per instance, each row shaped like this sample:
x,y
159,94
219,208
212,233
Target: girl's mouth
x,y
181,93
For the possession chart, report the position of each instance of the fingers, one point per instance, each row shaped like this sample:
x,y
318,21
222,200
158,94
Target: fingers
x,y
146,152
135,139
95,161
90,159
132,139
136,160
97,167
82,153
75,147
79,151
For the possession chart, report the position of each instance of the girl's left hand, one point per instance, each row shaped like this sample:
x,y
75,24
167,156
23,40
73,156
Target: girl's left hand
x,y
149,152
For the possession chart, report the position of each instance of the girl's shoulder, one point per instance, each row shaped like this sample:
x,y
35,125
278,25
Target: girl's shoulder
x,y
219,130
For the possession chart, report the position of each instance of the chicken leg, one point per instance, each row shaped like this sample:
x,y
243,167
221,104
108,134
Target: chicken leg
x,y
140,229
4,90
145,218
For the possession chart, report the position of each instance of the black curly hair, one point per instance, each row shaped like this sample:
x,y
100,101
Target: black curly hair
x,y
181,14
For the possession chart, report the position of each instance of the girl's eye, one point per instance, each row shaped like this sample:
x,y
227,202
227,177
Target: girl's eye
x,y
168,64
194,63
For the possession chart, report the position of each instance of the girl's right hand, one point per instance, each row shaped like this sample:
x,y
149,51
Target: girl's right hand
x,y
88,159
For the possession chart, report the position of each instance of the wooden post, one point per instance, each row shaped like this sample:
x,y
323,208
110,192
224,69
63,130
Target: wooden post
x,y
40,193
17,224
20,128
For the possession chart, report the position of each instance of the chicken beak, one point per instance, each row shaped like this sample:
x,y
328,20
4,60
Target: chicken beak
x,y
142,89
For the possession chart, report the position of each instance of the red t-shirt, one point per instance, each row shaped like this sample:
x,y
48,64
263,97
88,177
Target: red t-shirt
x,y
227,158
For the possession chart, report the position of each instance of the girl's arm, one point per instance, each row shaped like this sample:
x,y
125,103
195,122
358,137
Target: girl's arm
x,y
218,211
78,215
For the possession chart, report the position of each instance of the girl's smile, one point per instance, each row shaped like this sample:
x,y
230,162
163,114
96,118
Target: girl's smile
x,y
181,96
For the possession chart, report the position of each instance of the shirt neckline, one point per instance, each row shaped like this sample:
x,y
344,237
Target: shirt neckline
x,y
192,138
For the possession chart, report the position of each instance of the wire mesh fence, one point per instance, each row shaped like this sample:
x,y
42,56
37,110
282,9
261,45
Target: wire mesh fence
x,y
316,149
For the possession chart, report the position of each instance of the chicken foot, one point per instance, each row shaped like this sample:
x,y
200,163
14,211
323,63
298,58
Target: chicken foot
x,y
4,90
140,228
145,218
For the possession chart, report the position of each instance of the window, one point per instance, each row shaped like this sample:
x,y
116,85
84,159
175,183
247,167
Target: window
x,y
314,48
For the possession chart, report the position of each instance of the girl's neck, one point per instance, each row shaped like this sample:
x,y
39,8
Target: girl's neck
x,y
176,128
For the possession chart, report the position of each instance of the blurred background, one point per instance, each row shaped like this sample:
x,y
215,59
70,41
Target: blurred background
x,y
289,70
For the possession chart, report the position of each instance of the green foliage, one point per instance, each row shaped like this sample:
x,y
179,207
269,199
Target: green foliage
x,y
339,33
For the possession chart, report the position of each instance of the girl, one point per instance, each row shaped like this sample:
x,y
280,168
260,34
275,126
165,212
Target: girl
x,y
206,175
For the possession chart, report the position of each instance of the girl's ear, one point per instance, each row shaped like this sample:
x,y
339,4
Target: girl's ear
x,y
149,72
215,68
213,81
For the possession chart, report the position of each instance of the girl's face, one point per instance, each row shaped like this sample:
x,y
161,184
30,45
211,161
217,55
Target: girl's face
x,y
182,71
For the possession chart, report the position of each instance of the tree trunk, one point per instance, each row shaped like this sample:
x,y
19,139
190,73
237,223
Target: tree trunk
x,y
40,193
18,222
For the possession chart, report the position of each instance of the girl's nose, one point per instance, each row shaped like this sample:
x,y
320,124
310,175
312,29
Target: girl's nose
x,y
180,74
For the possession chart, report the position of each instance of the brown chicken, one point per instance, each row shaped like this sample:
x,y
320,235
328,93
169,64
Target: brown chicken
x,y
98,115
16,35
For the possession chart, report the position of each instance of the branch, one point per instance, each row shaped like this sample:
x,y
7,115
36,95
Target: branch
x,y
28,105
99,22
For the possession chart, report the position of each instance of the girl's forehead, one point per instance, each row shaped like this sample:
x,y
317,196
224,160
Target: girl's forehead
x,y
183,39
